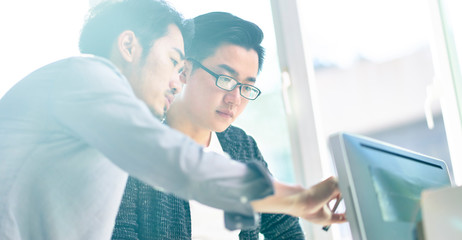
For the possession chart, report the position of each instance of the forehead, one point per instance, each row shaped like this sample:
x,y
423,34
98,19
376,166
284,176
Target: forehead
x,y
229,50
243,60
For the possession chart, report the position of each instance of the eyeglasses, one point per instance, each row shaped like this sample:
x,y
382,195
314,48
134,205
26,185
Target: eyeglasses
x,y
228,83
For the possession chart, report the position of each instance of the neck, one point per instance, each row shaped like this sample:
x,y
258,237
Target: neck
x,y
178,119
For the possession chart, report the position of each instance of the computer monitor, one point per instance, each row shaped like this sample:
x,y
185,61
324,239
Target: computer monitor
x,y
381,185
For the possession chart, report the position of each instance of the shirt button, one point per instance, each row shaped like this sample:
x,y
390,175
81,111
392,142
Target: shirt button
x,y
244,199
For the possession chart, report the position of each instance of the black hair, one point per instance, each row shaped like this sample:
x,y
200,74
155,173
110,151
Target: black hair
x,y
211,30
148,19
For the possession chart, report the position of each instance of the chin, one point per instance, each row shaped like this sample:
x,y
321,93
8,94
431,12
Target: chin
x,y
158,114
221,128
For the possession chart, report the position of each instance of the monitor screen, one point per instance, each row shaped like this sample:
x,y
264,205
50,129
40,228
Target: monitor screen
x,y
381,185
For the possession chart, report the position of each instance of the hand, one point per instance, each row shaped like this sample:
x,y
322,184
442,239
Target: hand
x,y
311,204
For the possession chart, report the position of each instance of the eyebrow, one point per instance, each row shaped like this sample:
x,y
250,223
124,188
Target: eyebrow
x,y
180,53
235,73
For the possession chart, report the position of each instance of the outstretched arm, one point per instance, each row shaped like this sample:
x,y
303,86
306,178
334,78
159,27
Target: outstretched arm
x,y
310,204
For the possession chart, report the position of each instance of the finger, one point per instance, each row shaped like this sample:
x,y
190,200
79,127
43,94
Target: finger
x,y
337,198
326,190
338,218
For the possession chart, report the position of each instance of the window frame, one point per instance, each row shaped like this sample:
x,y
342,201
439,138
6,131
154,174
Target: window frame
x,y
445,63
310,154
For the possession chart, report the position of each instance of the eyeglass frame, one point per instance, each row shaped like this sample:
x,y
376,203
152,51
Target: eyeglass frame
x,y
217,76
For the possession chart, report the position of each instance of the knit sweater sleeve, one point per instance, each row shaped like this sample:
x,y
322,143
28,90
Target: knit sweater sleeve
x,y
243,147
126,226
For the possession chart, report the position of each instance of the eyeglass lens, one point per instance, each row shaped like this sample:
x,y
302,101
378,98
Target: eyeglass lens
x,y
229,84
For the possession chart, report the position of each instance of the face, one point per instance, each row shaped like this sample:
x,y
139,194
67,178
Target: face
x,y
208,106
155,78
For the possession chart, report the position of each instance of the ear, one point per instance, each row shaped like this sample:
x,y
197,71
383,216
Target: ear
x,y
187,71
128,45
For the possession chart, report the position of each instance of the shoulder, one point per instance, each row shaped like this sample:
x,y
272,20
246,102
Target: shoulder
x,y
91,64
239,145
72,74
234,135
79,66
88,72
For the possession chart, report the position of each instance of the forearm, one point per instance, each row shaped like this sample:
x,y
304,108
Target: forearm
x,y
282,201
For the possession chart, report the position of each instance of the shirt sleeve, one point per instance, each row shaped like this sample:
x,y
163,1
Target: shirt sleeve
x,y
95,103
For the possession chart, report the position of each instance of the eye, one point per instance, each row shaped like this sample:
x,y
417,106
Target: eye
x,y
175,62
247,89
226,79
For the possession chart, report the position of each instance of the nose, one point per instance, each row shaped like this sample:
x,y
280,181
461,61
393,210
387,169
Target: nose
x,y
233,97
175,84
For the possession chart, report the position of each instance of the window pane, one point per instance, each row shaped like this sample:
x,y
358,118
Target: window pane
x,y
372,68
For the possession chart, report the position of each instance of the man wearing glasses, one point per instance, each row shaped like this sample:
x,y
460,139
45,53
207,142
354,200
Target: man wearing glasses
x,y
223,62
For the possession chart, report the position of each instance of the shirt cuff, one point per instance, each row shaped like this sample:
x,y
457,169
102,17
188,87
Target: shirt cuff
x,y
234,220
